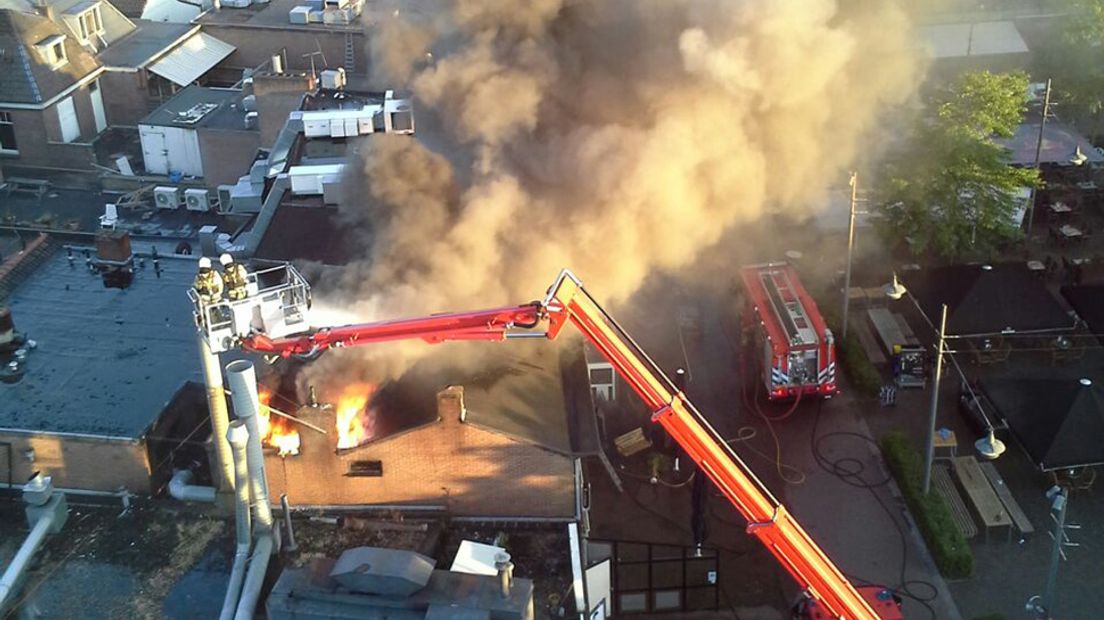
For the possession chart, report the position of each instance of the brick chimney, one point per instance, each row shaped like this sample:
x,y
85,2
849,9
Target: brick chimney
x,y
278,94
450,404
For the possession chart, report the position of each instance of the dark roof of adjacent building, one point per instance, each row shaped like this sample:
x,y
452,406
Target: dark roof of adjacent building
x,y
1059,421
988,299
1060,144
107,360
228,112
131,8
145,43
25,75
305,232
1088,302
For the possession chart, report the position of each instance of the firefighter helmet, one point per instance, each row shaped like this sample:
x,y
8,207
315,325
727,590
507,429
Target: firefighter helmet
x,y
204,263
226,259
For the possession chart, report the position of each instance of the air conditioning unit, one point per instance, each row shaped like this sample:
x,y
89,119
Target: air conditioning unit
x,y
196,199
166,197
333,79
224,197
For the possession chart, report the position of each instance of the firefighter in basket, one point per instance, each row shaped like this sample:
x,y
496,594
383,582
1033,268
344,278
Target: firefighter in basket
x,y
234,275
208,283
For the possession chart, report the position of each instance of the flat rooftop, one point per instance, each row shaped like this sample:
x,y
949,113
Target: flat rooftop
x,y
107,360
227,112
275,15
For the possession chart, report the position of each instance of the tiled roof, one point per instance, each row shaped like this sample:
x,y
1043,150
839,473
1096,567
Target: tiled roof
x,y
25,76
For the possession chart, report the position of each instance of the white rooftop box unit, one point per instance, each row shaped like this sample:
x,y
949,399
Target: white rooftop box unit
x,y
237,4
166,197
196,199
308,180
333,79
398,114
299,15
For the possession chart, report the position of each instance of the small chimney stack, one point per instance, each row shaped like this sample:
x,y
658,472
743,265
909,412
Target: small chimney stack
x,y
505,570
44,8
450,404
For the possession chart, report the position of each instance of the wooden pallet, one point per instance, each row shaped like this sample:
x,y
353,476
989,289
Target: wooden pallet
x,y
945,487
632,442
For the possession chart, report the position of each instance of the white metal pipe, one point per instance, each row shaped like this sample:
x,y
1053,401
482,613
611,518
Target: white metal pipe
x,y
238,437
243,391
180,488
254,578
220,418
23,558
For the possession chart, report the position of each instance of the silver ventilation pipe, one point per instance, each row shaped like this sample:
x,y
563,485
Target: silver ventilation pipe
x,y
46,514
238,436
181,488
220,419
243,390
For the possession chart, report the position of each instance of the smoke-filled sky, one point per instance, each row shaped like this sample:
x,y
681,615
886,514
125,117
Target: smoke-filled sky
x,y
614,137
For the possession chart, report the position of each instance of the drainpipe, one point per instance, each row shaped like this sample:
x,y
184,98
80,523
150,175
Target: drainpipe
x,y
243,391
238,436
46,514
180,488
220,419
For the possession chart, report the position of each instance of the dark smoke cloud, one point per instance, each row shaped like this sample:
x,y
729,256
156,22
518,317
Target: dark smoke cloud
x,y
613,137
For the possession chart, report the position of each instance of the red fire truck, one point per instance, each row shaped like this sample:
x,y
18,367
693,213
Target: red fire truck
x,y
786,339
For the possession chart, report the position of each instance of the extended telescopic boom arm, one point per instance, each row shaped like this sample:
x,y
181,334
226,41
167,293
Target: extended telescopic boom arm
x,y
568,302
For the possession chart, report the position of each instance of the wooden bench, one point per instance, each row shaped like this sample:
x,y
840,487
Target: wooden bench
x,y
38,187
1019,518
945,487
986,505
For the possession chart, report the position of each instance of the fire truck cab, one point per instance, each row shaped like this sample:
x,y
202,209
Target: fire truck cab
x,y
276,305
785,338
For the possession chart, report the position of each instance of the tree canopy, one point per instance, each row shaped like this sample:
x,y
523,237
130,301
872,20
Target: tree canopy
x,y
949,190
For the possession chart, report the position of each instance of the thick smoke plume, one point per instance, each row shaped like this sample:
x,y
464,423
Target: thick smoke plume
x,y
614,137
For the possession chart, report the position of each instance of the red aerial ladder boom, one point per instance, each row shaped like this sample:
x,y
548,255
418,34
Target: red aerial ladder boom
x,y
830,594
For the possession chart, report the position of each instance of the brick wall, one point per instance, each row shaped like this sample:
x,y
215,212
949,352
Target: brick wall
x,y
226,154
38,136
256,45
467,469
77,463
126,99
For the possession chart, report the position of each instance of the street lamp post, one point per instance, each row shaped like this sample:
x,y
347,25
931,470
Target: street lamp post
x,y
850,251
989,446
929,444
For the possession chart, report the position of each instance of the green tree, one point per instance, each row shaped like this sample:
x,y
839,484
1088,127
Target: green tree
x,y
949,190
1075,63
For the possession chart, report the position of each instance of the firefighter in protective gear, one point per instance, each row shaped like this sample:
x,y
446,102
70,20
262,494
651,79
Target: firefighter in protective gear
x,y
208,282
234,275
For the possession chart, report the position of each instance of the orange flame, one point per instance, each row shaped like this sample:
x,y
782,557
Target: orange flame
x,y
352,417
277,431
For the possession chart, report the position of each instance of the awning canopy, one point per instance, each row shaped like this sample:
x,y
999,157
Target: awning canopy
x,y
1058,421
192,58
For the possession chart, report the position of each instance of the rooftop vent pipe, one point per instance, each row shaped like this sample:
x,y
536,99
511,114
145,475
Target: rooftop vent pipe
x,y
181,488
238,436
46,514
243,391
505,570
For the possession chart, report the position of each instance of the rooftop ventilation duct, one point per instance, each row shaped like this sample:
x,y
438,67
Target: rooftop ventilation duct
x,y
372,570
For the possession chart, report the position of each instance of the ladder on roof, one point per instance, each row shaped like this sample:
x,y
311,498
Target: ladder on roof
x,y
350,53
781,295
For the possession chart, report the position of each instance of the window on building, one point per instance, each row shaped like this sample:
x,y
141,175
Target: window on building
x,y
91,22
7,134
52,49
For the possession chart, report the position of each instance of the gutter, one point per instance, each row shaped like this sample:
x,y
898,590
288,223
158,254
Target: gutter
x,y
47,512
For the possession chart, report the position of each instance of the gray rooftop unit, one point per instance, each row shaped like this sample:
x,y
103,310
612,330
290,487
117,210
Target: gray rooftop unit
x,y
391,572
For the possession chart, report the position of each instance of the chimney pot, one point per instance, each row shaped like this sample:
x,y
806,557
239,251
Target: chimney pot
x,y
450,404
505,570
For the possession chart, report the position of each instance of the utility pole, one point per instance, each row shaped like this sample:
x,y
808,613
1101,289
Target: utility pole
x,y
850,251
1043,606
1038,154
929,442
